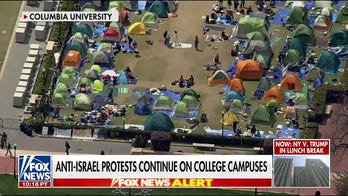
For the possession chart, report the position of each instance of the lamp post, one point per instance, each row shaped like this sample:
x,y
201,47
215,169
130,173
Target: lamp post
x,y
14,160
124,123
222,127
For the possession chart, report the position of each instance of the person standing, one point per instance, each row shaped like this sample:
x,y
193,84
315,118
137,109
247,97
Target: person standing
x,y
8,150
67,147
242,4
229,3
165,34
196,42
176,38
235,3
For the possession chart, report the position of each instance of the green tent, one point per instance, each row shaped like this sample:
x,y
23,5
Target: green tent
x,y
338,37
149,18
159,122
305,33
190,101
237,106
78,37
121,4
61,88
106,46
247,25
58,99
265,84
65,79
297,16
78,46
70,71
189,92
328,62
259,48
292,56
98,86
263,115
314,73
300,99
86,81
84,29
164,102
272,103
96,68
82,102
181,110
343,15
323,4
256,35
298,44
159,8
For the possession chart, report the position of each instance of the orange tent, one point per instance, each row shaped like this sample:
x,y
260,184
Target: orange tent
x,y
218,78
236,84
274,93
249,70
72,59
291,82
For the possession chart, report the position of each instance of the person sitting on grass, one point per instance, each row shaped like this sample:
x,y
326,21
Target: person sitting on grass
x,y
217,59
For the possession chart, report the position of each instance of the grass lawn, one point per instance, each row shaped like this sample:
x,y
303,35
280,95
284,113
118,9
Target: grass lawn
x,y
9,187
8,16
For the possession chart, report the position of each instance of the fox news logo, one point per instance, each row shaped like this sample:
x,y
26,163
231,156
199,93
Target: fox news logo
x,y
34,170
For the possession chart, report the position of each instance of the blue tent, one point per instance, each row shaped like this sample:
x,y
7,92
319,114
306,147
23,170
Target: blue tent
x,y
232,69
233,95
122,78
142,109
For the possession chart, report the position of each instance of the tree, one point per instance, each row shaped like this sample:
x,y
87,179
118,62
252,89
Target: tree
x,y
341,181
160,141
340,139
268,146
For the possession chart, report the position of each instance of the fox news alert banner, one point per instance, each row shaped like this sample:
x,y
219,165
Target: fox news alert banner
x,y
301,147
69,16
155,171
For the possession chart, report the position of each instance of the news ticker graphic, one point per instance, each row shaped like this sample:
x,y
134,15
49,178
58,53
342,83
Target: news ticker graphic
x,y
301,163
57,16
301,147
151,171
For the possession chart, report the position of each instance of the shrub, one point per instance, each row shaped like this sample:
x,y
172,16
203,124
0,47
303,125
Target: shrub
x,y
268,146
139,142
160,141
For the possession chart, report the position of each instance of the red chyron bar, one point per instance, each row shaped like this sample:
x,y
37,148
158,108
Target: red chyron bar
x,y
301,147
159,183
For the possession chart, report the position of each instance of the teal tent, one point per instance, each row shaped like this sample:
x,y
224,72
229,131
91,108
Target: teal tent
x,y
263,115
299,45
298,15
82,102
159,8
328,62
305,34
84,29
338,37
159,122
78,46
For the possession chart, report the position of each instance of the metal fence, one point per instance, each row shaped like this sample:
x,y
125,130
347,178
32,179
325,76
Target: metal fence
x,y
9,123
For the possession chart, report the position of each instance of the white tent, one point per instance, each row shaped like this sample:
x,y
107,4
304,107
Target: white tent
x,y
298,4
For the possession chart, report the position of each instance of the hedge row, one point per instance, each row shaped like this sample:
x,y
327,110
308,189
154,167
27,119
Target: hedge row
x,y
119,133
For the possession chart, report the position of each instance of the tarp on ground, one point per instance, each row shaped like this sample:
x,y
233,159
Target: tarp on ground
x,y
159,122
297,16
231,95
314,73
218,78
82,102
274,93
137,28
142,109
84,29
181,110
98,86
305,33
229,118
263,115
190,101
249,70
247,25
328,62
292,56
164,102
122,78
265,84
159,8
65,79
189,92
149,18
58,99
61,88
258,47
72,59
338,37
